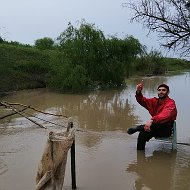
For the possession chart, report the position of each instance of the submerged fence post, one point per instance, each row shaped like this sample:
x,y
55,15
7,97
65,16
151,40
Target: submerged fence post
x,y
73,170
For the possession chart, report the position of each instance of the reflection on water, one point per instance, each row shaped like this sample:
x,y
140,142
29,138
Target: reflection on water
x,y
102,110
106,156
161,170
155,171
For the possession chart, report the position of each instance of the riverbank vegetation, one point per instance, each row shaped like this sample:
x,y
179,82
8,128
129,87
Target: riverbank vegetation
x,y
79,59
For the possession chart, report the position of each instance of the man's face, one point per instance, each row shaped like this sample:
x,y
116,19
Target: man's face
x,y
162,92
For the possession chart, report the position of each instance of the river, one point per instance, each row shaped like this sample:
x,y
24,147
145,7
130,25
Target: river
x,y
106,156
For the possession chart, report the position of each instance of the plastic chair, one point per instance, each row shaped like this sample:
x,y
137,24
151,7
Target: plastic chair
x,y
172,138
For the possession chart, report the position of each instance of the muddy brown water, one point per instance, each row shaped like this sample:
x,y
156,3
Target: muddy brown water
x,y
106,156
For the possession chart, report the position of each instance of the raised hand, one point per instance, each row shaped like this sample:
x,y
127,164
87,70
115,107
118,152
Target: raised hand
x,y
139,86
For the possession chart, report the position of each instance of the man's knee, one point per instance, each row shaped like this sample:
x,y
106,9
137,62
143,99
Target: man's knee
x,y
143,137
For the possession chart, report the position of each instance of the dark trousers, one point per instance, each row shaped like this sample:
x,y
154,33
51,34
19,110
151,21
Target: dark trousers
x,y
156,130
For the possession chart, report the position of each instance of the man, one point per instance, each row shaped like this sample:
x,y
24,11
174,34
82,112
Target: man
x,y
163,111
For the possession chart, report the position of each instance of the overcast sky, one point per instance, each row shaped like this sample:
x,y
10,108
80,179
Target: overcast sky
x,y
28,20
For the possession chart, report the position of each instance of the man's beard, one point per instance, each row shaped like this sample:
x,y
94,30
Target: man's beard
x,y
162,97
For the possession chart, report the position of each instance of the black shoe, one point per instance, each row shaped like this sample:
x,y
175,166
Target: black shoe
x,y
132,130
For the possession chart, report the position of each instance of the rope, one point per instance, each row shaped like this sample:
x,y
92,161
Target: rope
x,y
24,114
45,120
3,103
52,122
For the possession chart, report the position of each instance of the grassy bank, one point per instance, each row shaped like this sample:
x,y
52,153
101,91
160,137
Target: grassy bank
x,y
24,67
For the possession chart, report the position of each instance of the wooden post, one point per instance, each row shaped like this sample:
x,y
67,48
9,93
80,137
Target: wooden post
x,y
73,171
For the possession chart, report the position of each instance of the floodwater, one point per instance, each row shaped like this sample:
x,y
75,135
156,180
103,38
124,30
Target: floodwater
x,y
106,156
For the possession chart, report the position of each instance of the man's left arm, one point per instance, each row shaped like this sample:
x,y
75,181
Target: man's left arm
x,y
168,113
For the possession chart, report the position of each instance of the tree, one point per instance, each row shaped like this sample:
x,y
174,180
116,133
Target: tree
x,y
151,63
65,77
106,61
1,40
170,18
44,43
85,46
125,51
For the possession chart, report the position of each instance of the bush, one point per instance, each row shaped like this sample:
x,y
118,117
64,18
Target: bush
x,y
64,77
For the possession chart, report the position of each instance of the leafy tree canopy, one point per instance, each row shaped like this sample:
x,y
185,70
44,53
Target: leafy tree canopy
x,y
44,43
106,60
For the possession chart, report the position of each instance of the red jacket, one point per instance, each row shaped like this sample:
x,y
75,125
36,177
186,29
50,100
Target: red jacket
x,y
161,112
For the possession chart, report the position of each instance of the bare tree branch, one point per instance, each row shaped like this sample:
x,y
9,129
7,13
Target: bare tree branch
x,y
169,18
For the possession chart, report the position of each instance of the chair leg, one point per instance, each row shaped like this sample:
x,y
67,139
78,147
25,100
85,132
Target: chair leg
x,y
174,139
174,143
